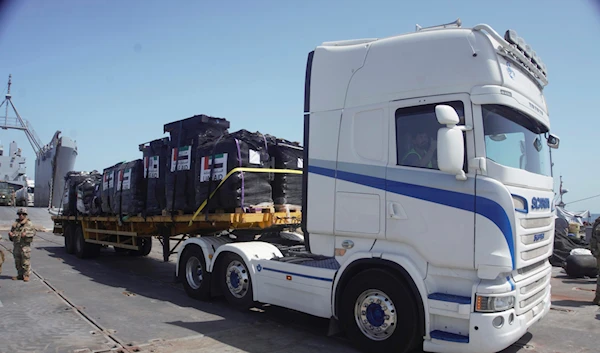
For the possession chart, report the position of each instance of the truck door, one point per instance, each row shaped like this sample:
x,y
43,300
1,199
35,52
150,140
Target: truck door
x,y
360,178
427,209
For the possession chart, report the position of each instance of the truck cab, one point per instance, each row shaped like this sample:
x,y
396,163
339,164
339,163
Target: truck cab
x,y
427,218
431,150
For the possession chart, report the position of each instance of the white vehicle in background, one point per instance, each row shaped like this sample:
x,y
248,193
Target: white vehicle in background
x,y
24,196
403,249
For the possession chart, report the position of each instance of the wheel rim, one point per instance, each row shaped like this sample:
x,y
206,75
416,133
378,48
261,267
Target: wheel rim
x,y
237,279
375,315
193,272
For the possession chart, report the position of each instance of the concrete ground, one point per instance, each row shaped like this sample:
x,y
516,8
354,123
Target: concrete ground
x,y
120,303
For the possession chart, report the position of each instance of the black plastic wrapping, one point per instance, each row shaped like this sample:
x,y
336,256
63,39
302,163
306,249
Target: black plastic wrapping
x,y
107,192
72,179
287,188
186,135
241,189
130,189
87,194
581,266
156,163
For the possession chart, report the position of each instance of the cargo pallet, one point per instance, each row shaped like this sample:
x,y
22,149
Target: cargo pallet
x,y
85,235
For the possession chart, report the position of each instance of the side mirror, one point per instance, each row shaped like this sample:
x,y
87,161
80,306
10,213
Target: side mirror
x,y
553,141
450,144
446,115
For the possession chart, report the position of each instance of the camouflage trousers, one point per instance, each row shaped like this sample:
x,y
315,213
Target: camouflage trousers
x,y
1,259
22,254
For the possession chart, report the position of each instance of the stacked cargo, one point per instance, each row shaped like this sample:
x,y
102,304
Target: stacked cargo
x,y
287,188
129,197
108,188
179,173
88,201
72,179
241,190
186,136
156,162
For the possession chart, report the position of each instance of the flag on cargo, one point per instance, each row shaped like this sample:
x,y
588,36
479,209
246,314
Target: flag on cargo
x,y
181,158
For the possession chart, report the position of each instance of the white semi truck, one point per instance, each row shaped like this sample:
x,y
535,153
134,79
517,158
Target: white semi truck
x,y
427,210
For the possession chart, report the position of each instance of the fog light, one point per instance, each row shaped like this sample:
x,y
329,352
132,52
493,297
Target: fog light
x,y
498,322
511,319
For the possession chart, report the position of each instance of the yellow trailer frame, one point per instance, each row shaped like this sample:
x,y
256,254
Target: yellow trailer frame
x,y
125,232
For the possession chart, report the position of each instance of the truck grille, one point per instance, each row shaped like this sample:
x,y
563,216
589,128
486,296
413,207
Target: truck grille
x,y
532,254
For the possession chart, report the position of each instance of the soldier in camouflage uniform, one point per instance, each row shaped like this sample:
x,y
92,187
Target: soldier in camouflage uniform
x,y
21,234
595,247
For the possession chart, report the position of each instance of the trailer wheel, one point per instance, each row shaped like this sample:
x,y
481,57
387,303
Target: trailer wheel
x,y
236,282
69,241
192,272
83,249
379,312
145,246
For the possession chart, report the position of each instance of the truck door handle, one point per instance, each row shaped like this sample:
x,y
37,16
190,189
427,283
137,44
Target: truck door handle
x,y
396,211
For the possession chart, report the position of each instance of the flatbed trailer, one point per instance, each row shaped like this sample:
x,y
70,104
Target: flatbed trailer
x,y
86,235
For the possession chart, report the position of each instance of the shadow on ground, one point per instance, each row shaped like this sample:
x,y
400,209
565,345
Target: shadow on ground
x,y
151,278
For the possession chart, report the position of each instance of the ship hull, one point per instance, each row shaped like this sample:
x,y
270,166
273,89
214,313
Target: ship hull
x,y
52,164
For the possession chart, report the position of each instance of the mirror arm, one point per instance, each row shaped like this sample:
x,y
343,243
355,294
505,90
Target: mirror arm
x,y
461,176
464,127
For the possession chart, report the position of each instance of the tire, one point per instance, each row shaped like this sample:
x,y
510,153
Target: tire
x,y
389,319
145,247
69,241
236,282
192,273
83,249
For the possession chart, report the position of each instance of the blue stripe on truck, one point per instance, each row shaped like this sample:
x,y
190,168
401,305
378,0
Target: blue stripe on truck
x,y
485,207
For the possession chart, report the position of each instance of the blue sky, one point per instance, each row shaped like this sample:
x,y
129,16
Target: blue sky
x,y
111,73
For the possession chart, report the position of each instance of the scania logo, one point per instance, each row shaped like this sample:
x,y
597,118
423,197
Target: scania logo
x,y
540,203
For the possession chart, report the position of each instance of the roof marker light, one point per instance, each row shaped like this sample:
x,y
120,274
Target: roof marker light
x,y
511,37
528,51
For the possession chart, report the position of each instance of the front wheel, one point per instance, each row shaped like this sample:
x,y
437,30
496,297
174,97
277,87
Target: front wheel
x,y
379,313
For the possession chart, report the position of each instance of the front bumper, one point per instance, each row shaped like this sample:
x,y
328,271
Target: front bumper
x,y
484,337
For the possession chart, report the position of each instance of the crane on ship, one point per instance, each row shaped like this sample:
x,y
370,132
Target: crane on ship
x,y
18,123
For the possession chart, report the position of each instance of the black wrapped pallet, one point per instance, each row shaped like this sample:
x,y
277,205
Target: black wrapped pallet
x,y
287,188
130,189
156,162
242,189
186,136
72,179
87,193
107,193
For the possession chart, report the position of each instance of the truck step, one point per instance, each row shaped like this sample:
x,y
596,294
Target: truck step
x,y
448,336
450,298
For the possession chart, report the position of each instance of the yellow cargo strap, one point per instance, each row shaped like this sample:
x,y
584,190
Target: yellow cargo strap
x,y
241,169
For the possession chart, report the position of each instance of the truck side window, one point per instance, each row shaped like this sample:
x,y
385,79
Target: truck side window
x,y
416,134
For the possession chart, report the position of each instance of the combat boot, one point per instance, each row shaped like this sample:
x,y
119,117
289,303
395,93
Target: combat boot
x,y
15,278
596,301
25,278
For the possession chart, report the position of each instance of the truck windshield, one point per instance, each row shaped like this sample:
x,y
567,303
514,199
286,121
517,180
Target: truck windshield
x,y
515,140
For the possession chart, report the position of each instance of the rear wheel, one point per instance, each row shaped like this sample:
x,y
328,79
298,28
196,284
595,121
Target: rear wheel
x,y
192,272
145,246
69,241
379,313
84,249
235,281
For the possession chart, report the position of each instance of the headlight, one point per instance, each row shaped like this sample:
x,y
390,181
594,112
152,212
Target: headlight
x,y
493,304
